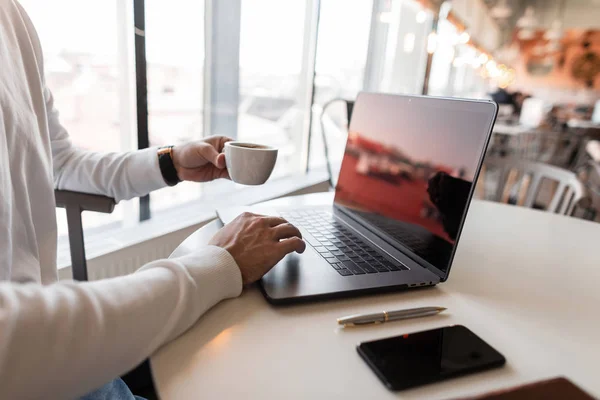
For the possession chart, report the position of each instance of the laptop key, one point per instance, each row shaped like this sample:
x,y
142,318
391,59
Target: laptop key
x,y
312,241
379,267
337,253
331,248
344,272
391,266
356,270
336,265
395,267
367,268
321,249
343,258
331,260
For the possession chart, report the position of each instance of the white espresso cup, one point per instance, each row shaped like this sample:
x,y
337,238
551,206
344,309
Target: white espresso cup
x,y
249,163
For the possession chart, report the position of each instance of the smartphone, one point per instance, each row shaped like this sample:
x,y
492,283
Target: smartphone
x,y
420,358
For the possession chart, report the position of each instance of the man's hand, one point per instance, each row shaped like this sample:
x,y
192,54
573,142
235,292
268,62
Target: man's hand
x,y
257,243
202,160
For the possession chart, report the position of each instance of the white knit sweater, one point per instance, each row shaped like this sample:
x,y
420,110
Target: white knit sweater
x,y
62,340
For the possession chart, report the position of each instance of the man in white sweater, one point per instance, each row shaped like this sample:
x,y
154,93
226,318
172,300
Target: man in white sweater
x,y
63,340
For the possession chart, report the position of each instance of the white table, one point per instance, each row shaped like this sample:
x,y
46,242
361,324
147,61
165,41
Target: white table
x,y
526,281
510,130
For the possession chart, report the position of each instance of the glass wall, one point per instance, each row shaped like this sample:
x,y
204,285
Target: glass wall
x,y
342,50
378,46
272,85
373,45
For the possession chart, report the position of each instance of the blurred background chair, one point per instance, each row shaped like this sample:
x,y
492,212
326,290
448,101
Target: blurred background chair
x,y
593,185
75,203
530,184
349,107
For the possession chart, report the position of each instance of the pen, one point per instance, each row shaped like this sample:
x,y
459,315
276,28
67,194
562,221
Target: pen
x,y
385,316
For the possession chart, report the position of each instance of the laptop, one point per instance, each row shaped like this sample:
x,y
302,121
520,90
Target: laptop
x,y
404,188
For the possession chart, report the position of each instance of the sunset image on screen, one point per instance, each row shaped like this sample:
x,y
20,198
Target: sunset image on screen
x,y
376,177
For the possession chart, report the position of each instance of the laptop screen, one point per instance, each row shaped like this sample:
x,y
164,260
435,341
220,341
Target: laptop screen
x,y
408,169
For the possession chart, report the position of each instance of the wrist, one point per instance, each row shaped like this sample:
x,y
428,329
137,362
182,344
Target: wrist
x,y
168,168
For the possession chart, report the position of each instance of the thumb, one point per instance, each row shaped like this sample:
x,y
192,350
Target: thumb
x,y
221,161
210,154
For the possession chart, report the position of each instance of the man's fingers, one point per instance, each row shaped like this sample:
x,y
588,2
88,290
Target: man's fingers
x,y
292,244
274,221
218,142
285,231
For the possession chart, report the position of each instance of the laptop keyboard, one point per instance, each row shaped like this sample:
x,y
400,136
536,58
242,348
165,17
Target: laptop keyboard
x,y
346,252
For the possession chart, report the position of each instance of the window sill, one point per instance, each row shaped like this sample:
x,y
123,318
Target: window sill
x,y
184,218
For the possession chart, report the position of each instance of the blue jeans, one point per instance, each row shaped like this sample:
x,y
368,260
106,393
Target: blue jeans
x,y
114,390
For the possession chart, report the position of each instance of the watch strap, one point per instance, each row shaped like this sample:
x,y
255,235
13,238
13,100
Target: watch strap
x,y
166,165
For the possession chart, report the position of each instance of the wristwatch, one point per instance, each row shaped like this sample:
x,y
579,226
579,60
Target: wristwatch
x,y
167,167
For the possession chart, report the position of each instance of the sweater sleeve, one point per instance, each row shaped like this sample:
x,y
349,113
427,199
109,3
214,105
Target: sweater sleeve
x,y
119,175
70,338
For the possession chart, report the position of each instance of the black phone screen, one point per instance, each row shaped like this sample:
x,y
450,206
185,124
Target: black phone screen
x,y
416,359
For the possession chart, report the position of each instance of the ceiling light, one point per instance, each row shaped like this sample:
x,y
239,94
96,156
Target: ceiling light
x,y
526,34
421,17
409,42
431,43
555,32
385,17
501,10
528,19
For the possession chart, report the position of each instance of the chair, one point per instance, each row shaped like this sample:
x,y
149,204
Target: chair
x,y
349,108
75,203
519,182
594,188
589,174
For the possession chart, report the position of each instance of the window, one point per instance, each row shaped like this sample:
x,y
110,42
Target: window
x,y
468,82
272,85
377,46
87,68
398,52
340,68
456,67
175,73
442,73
